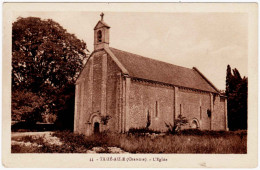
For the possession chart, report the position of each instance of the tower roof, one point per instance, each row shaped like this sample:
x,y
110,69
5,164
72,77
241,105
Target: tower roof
x,y
101,22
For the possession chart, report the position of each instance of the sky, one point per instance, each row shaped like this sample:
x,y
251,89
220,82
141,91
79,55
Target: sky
x,y
208,41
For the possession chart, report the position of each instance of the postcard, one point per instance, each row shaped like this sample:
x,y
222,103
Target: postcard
x,y
138,85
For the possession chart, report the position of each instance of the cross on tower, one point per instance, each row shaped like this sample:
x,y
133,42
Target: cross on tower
x,y
102,15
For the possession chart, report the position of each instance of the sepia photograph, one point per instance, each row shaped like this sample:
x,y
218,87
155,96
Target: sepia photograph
x,y
112,85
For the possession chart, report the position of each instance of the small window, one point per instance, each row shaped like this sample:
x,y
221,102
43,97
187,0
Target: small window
x,y
200,113
156,109
180,109
209,112
99,36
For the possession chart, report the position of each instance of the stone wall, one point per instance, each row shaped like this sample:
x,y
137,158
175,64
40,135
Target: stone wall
x,y
102,90
153,98
111,94
83,89
219,114
88,94
96,91
97,79
194,105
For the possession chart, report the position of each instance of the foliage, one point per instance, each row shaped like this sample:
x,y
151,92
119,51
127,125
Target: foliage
x,y
104,119
44,54
189,142
178,123
198,132
89,142
65,108
236,92
29,126
26,105
49,118
231,143
46,61
142,131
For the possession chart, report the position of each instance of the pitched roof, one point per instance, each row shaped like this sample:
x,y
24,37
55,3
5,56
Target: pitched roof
x,y
101,24
150,69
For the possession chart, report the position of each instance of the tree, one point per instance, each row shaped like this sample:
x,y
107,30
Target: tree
x,y
44,54
236,92
228,79
25,104
46,61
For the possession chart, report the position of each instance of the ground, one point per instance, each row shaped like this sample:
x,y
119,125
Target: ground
x,y
185,142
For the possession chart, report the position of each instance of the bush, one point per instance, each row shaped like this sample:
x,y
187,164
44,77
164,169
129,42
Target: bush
x,y
198,132
105,119
142,131
49,118
25,126
77,140
178,123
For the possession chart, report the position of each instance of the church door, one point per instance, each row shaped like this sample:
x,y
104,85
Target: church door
x,y
96,128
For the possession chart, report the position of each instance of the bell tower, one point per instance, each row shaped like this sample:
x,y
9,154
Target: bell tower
x,y
101,34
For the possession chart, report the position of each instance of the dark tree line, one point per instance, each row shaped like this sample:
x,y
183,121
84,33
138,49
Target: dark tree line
x,y
46,60
236,92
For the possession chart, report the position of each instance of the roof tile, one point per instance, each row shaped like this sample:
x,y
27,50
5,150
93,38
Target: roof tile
x,y
150,69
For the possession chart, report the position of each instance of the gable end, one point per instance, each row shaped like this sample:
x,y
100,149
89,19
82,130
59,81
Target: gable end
x,y
110,53
118,63
101,24
209,82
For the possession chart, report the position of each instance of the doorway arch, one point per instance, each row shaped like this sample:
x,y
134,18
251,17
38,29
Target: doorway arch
x,y
194,124
95,123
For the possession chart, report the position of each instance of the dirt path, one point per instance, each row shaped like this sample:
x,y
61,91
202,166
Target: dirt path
x,y
47,137
53,140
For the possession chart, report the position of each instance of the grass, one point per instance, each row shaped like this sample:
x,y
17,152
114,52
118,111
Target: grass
x,y
185,142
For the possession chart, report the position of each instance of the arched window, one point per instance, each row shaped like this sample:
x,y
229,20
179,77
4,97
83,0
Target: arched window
x,y
156,109
180,110
194,124
200,113
99,36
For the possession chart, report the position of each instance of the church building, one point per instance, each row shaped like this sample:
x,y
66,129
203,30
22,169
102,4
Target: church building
x,y
119,90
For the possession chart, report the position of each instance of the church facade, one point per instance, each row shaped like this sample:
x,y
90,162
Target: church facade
x,y
118,90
